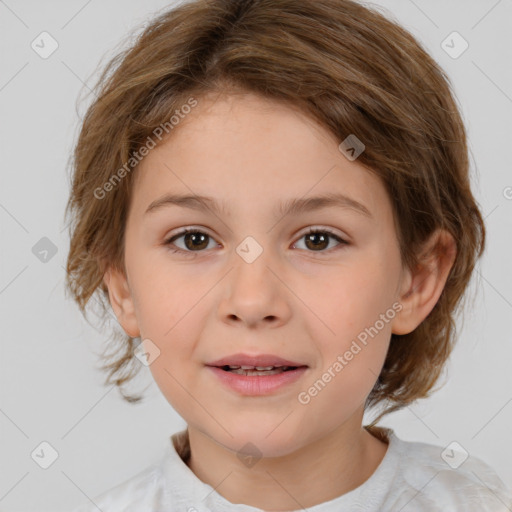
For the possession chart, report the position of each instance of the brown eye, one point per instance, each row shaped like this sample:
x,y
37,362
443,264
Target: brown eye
x,y
194,240
317,240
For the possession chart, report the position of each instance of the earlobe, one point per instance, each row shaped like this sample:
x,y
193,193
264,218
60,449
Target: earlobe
x,y
423,286
121,301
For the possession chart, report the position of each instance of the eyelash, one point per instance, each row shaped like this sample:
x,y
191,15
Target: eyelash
x,y
173,249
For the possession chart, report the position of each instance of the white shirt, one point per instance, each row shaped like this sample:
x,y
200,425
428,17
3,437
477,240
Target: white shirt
x,y
412,477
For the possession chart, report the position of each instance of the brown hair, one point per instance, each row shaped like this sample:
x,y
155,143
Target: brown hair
x,y
344,64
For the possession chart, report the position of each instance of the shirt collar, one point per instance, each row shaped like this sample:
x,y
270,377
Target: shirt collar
x,y
182,487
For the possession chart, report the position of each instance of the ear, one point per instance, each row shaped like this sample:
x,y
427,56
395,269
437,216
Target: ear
x,y
121,301
423,286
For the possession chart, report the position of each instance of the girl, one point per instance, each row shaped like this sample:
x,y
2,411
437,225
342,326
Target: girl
x,y
273,197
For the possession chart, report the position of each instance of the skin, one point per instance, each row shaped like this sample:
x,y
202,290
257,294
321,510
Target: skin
x,y
302,304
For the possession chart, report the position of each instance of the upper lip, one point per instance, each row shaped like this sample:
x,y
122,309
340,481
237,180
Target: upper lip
x,y
255,360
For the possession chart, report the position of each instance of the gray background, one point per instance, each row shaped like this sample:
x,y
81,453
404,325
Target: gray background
x,y
50,387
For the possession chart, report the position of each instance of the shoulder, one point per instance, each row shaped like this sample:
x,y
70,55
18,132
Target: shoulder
x,y
158,488
431,477
138,491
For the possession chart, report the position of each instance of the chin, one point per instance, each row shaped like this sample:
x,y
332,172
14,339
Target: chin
x,y
255,440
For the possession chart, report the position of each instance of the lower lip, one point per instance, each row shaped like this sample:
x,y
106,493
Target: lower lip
x,y
255,385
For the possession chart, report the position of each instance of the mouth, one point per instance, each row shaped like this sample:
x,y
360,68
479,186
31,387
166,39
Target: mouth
x,y
258,362
257,375
250,371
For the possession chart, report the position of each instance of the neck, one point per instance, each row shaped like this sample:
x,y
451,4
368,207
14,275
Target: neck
x,y
300,479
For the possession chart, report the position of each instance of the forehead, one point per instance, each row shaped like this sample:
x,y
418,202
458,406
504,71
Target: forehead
x,y
249,149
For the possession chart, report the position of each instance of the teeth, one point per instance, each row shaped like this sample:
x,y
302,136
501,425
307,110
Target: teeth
x,y
259,373
257,370
261,368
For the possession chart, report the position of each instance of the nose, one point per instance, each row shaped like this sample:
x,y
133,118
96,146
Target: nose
x,y
254,293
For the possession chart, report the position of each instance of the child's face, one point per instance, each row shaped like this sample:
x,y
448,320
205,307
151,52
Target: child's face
x,y
302,299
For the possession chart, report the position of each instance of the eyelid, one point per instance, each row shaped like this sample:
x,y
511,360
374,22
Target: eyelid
x,y
190,229
324,229
310,229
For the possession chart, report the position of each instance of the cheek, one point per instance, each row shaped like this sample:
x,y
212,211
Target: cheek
x,y
173,328
165,294
351,359
352,329
170,303
353,299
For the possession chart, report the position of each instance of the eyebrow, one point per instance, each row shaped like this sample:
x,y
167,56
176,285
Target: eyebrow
x,y
290,207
